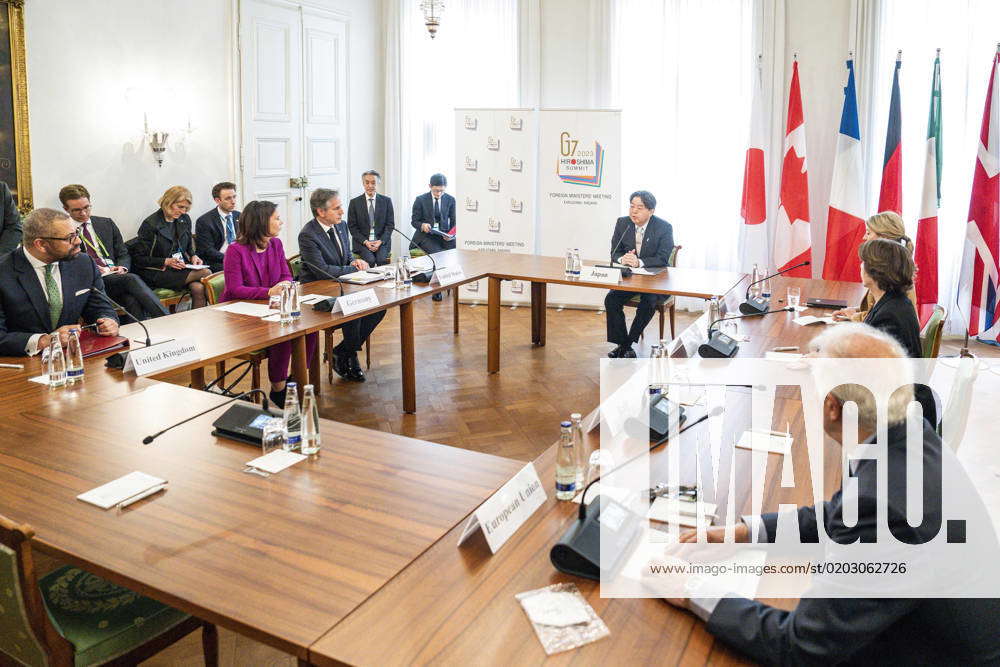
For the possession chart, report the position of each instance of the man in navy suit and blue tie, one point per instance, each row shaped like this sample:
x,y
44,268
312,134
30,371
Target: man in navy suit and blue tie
x,y
215,229
47,287
434,215
325,247
371,221
640,240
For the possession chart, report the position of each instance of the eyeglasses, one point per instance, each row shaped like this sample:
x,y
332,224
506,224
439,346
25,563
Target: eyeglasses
x,y
81,209
69,238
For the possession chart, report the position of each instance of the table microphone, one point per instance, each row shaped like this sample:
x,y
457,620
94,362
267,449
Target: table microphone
x,y
578,551
115,304
721,346
626,270
758,304
326,305
264,404
423,277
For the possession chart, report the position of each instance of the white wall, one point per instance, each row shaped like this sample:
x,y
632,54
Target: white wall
x,y
95,65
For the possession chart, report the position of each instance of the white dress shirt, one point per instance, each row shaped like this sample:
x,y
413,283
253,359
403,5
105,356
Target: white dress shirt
x,y
31,349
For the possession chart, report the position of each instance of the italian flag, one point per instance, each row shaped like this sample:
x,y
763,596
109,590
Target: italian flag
x,y
926,252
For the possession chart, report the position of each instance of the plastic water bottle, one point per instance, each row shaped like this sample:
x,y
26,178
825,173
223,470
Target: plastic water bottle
x,y
286,305
74,358
295,294
576,420
292,418
754,285
310,422
57,363
566,464
569,261
765,288
714,310
577,264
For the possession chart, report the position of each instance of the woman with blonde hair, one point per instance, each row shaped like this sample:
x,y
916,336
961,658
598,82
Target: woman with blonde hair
x,y
164,246
885,225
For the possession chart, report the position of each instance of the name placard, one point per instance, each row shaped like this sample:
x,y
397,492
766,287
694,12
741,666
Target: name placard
x,y
155,358
448,275
596,274
356,302
505,511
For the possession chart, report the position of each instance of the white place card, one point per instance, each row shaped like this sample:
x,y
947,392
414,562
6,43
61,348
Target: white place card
x,y
446,275
505,511
356,302
276,461
156,358
597,274
110,494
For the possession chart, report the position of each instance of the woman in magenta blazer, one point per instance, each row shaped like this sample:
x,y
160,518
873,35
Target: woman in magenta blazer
x,y
255,268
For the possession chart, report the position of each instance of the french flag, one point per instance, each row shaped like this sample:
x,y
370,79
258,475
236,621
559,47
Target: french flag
x,y
890,197
845,222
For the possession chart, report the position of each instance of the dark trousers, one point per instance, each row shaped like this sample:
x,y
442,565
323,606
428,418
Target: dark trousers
x,y
614,304
131,291
374,258
356,332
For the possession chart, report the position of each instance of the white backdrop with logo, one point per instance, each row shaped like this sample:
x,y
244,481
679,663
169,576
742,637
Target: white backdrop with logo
x,y
495,187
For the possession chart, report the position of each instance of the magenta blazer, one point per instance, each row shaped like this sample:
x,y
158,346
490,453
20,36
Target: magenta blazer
x,y
243,278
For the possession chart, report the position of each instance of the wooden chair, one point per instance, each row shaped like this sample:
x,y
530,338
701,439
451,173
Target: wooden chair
x,y
930,337
214,284
71,617
661,308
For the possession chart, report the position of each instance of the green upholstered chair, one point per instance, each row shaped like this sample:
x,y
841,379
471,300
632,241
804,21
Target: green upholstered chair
x,y
295,265
930,337
214,284
170,298
72,617
669,304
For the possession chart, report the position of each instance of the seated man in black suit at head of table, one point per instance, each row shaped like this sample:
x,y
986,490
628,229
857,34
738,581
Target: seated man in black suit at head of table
x,y
325,247
643,240
370,220
433,215
10,226
215,229
824,629
102,240
47,287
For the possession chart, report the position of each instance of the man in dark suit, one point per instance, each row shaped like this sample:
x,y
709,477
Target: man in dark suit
x,y
434,215
866,629
325,247
47,288
370,220
640,240
102,241
10,232
215,229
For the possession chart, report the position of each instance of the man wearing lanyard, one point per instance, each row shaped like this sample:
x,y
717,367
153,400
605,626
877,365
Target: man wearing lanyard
x,y
102,240
434,219
370,221
215,229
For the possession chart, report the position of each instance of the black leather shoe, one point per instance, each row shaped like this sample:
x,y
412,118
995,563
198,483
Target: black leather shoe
x,y
627,353
342,364
277,398
615,353
354,371
437,296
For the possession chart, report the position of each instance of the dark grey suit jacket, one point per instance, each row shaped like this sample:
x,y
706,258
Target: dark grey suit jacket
x,y
111,237
10,232
359,226
24,310
423,211
657,242
317,248
209,236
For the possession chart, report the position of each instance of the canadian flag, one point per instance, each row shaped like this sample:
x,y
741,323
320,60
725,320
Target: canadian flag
x,y
980,277
845,221
754,209
926,252
792,243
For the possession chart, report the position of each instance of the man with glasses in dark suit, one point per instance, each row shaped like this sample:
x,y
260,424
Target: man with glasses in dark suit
x,y
433,217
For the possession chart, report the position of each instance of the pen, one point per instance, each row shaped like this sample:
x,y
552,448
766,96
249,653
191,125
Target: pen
x,y
139,496
17,366
787,348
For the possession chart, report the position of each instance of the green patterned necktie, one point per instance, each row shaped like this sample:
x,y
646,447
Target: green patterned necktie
x,y
55,298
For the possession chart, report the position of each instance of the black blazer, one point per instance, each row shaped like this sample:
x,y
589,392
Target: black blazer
x,y
24,310
210,234
10,233
657,242
158,239
423,211
109,234
894,314
869,630
317,248
359,226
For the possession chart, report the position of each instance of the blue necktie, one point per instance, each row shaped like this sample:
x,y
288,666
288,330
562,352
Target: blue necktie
x,y
230,231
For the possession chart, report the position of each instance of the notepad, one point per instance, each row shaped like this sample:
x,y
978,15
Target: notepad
x,y
681,512
110,494
766,441
195,266
276,461
806,320
244,308
361,277
311,298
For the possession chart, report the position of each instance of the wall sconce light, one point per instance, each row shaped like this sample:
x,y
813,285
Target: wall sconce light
x,y
158,140
432,15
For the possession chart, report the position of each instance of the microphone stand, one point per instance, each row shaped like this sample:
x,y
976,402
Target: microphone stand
x,y
626,270
757,305
721,346
424,276
115,304
265,405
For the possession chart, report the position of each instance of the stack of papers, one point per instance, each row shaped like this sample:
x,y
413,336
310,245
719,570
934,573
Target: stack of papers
x,y
362,277
245,308
681,512
805,320
773,442
121,489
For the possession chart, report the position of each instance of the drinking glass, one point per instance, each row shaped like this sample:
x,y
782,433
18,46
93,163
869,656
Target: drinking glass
x,y
273,436
794,294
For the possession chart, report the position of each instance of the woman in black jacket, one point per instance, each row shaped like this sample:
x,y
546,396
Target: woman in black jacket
x,y
164,247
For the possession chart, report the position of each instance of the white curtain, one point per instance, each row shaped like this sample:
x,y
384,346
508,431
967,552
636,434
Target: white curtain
x,y
473,62
681,72
966,32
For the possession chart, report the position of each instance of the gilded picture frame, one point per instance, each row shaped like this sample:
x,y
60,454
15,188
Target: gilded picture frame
x,y
15,148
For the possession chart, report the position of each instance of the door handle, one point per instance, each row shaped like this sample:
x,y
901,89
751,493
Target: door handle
x,y
296,182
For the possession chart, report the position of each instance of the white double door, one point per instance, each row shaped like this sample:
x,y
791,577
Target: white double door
x,y
293,84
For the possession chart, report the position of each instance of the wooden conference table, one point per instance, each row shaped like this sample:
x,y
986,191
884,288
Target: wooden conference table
x,y
457,605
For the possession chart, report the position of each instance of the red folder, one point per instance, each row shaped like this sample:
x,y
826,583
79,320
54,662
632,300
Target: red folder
x,y
92,344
